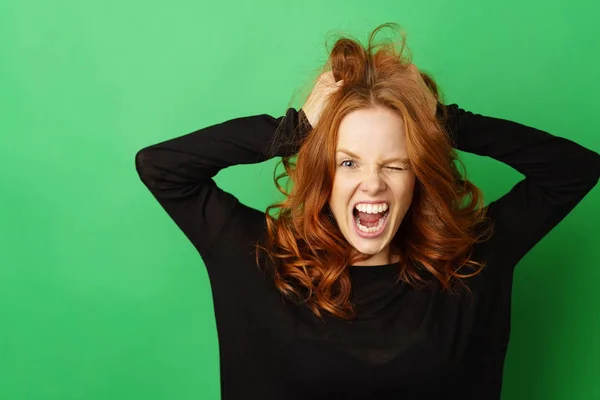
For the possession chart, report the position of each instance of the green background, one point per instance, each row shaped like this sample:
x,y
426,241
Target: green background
x,y
103,297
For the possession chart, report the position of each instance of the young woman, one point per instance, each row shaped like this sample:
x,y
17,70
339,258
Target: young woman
x,y
382,275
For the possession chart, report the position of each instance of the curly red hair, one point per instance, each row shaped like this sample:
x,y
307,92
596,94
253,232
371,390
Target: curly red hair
x,y
304,245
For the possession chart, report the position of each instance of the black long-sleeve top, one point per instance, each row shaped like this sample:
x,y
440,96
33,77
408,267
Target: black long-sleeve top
x,y
405,343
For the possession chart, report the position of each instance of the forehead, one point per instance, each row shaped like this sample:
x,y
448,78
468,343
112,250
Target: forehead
x,y
373,130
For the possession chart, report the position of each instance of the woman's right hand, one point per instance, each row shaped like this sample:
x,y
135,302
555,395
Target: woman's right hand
x,y
324,87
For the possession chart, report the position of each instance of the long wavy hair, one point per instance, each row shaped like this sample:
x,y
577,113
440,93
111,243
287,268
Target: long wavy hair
x,y
307,252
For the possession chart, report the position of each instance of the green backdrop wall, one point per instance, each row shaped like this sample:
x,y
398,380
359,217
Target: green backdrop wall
x,y
103,297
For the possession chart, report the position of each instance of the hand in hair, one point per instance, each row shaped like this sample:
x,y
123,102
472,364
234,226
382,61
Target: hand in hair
x,y
324,87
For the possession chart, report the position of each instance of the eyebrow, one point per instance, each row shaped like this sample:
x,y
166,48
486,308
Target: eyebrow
x,y
402,160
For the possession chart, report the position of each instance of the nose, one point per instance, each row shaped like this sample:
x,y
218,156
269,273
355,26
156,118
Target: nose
x,y
372,183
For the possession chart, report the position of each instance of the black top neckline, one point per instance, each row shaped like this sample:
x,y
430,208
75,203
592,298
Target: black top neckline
x,y
377,267
380,270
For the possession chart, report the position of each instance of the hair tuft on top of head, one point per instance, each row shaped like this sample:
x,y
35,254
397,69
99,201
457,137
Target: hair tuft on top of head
x,y
352,62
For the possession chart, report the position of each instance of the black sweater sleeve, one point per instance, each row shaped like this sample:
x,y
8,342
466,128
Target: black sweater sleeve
x,y
179,172
558,173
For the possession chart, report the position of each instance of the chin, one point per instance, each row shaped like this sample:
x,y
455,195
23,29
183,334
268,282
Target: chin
x,y
368,248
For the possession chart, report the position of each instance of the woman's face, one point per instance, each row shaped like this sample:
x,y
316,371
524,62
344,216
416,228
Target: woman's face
x,y
372,187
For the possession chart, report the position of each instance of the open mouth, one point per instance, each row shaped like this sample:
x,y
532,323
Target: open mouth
x,y
370,224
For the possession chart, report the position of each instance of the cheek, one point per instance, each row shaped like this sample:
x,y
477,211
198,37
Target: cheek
x,y
341,194
403,191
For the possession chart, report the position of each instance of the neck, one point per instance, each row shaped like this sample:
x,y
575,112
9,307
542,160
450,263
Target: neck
x,y
384,257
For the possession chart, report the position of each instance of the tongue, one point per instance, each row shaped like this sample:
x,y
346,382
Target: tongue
x,y
369,220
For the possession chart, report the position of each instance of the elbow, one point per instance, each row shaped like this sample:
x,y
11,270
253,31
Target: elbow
x,y
579,175
596,176
590,170
143,165
597,166
592,165
139,162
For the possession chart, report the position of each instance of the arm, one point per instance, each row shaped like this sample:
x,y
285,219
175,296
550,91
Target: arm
x,y
558,174
179,172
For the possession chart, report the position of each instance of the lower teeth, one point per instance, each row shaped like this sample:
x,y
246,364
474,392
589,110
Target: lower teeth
x,y
372,229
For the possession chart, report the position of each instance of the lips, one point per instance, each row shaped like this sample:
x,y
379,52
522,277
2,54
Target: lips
x,y
371,202
371,235
354,214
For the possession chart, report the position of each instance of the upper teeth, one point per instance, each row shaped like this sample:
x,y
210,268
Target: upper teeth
x,y
372,208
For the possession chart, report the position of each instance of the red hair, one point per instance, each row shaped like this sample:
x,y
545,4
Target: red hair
x,y
308,253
